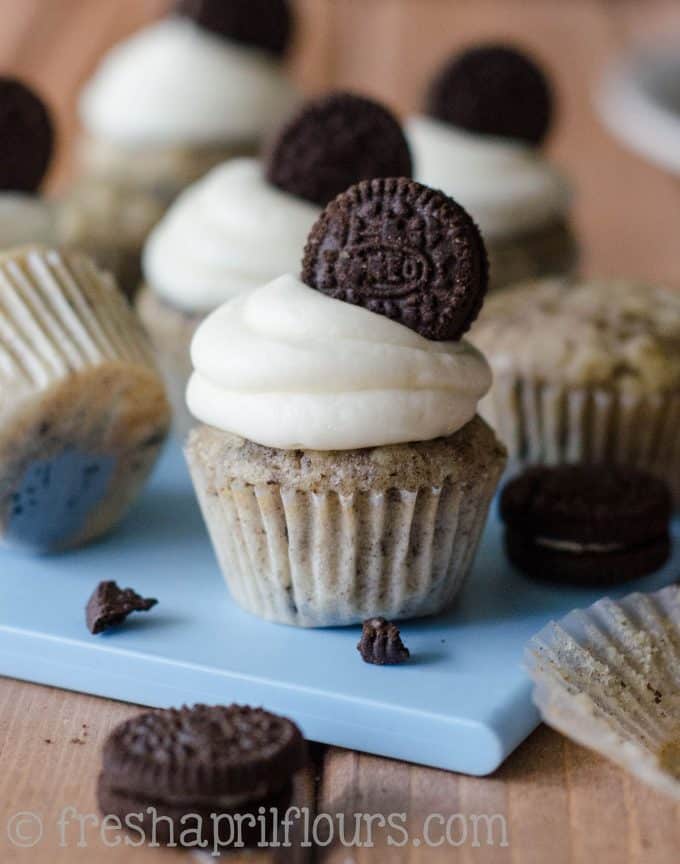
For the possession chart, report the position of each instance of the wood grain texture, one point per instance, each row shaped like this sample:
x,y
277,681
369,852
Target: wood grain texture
x,y
560,803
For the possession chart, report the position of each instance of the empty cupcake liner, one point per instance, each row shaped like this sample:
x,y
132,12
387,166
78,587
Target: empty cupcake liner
x,y
554,423
319,559
82,409
609,678
163,170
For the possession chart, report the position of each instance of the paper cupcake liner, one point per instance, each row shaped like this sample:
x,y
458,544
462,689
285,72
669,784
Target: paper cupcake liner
x,y
550,250
171,332
609,677
110,223
552,423
165,171
324,558
82,409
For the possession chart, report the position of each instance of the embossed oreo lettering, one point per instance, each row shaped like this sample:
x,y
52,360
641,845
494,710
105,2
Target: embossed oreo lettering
x,y
403,251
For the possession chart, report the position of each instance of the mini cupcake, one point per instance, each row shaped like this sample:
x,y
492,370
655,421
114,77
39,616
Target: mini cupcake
x,y
82,410
586,372
341,469
487,114
26,147
246,222
180,96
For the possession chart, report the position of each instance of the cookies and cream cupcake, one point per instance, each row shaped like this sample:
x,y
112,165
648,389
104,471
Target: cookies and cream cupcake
x,y
340,465
488,112
82,409
247,221
26,148
178,97
585,372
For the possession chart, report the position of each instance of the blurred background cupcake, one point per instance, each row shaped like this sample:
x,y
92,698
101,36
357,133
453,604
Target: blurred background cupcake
x,y
26,149
83,412
247,221
487,114
586,372
202,85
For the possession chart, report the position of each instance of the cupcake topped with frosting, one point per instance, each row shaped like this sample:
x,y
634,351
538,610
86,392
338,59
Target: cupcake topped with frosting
x,y
26,148
487,114
340,466
366,348
209,73
246,222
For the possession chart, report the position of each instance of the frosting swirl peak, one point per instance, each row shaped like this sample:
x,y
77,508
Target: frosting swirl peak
x,y
288,367
230,232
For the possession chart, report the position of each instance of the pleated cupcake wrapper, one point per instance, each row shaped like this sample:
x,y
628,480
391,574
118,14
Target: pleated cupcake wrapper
x,y
59,315
318,559
546,423
76,376
609,677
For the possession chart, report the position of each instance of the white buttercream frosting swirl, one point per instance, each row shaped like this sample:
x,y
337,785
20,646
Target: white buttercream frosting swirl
x,y
505,185
230,232
176,83
288,367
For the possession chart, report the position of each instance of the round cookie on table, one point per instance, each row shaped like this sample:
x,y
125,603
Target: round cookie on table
x,y
246,222
585,372
83,411
341,468
488,112
205,84
26,149
193,774
587,524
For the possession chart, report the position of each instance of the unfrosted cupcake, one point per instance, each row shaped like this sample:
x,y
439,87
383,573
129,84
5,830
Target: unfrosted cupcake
x,y
488,112
341,469
82,409
167,104
246,222
26,147
585,372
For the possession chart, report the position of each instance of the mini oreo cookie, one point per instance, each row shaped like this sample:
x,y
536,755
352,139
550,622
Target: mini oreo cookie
x,y
200,760
334,142
594,524
110,605
401,250
493,90
26,137
381,643
265,24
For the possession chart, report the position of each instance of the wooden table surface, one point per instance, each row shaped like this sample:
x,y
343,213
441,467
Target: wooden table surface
x,y
560,803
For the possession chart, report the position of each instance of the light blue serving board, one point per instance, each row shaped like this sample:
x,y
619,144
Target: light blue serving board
x,y
462,702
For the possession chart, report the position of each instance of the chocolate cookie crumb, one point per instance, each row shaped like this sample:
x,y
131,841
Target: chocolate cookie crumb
x,y
381,643
110,605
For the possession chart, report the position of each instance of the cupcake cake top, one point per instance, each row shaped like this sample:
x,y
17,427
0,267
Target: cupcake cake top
x,y
26,148
487,112
246,222
290,366
593,333
211,73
